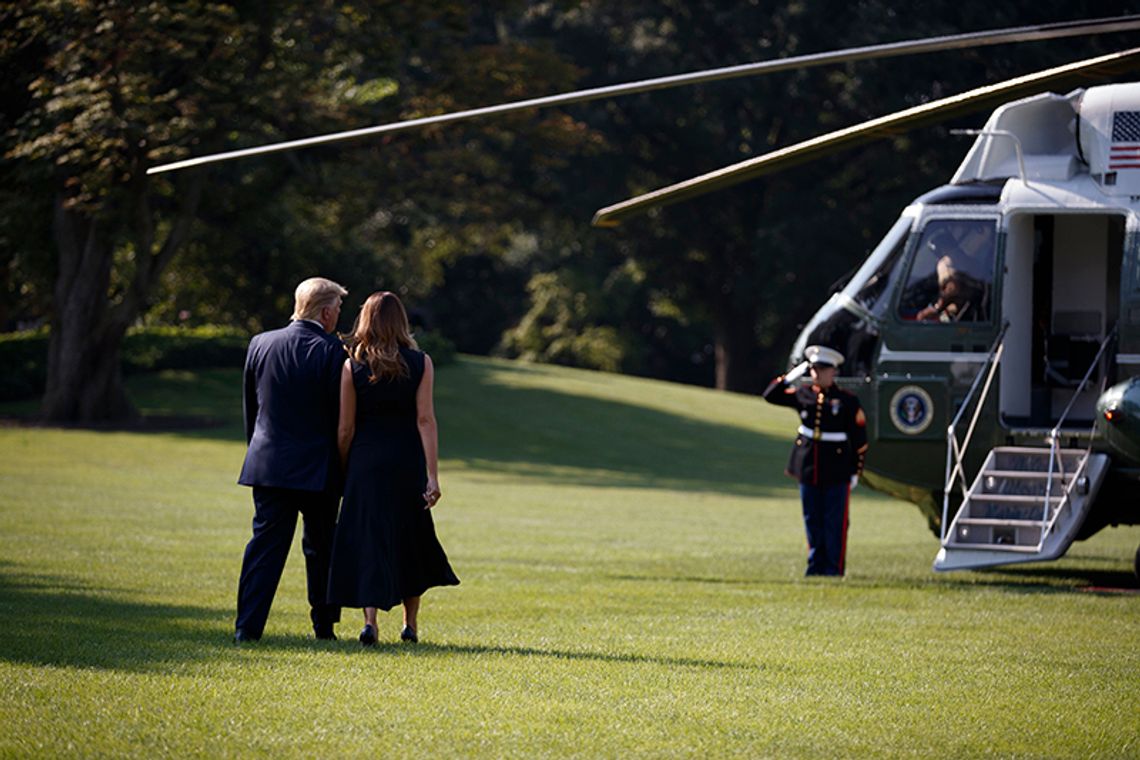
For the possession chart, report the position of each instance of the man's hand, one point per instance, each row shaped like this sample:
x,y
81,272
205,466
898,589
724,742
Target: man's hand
x,y
796,372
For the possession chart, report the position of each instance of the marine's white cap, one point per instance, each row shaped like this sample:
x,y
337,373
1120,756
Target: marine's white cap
x,y
822,356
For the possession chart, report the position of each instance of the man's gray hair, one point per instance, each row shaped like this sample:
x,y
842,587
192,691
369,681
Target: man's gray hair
x,y
314,294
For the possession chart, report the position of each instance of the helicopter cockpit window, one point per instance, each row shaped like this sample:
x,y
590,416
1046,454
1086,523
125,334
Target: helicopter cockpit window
x,y
850,320
872,281
951,277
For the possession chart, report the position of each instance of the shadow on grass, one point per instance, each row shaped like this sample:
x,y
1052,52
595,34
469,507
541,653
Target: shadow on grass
x,y
806,583
429,649
1015,580
560,654
54,621
799,580
1050,579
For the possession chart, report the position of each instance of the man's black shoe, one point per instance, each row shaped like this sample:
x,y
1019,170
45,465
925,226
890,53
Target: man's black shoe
x,y
324,632
241,636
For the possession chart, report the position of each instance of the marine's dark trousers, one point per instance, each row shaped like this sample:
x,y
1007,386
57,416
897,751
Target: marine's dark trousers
x,y
825,520
274,522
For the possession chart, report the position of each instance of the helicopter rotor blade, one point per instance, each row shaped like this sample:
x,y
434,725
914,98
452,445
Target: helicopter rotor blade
x,y
887,50
884,126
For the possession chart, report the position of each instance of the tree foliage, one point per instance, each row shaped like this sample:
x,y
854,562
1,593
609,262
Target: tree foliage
x,y
483,227
114,87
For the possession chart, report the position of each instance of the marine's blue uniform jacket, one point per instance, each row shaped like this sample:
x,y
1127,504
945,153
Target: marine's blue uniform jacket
x,y
831,441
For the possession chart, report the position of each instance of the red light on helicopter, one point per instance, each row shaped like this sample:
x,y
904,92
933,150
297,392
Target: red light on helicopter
x,y
1110,414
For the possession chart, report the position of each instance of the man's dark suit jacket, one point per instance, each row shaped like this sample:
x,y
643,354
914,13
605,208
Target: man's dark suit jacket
x,y
291,403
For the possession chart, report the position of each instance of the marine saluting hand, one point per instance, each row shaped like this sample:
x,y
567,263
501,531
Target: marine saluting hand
x,y
795,373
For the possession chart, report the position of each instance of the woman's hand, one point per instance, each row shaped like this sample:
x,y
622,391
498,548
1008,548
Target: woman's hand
x,y
432,493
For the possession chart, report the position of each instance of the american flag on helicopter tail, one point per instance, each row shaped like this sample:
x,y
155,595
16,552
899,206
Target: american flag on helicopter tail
x,y
1124,153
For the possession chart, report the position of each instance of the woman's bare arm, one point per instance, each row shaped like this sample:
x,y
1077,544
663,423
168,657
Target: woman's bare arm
x,y
346,426
429,434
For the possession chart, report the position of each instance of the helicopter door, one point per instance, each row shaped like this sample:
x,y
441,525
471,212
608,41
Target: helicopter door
x,y
1062,297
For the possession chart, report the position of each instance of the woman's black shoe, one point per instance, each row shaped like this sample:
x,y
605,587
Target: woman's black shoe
x,y
368,636
408,634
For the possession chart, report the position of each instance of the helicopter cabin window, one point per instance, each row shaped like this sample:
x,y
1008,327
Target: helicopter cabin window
x,y
951,277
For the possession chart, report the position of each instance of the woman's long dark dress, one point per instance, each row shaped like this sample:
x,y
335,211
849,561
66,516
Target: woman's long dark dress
x,y
385,548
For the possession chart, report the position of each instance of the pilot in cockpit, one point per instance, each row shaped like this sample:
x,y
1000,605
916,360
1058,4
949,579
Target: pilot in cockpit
x,y
961,277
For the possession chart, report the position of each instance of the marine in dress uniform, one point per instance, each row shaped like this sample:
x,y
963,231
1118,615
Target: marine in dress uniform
x,y
828,454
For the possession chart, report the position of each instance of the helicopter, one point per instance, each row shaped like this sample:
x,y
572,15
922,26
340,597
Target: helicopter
x,y
1009,297
993,335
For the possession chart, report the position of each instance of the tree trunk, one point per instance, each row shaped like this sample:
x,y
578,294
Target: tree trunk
x,y
84,379
84,372
85,386
734,341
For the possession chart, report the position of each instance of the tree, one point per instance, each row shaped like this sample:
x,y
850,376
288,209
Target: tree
x,y
114,87
113,81
444,216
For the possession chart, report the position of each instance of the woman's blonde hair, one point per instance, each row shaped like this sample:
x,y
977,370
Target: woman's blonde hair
x,y
380,330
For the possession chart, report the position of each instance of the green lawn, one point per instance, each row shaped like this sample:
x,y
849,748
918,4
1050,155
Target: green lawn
x,y
631,560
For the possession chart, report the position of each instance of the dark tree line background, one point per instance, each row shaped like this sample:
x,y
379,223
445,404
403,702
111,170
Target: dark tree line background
x,y
483,227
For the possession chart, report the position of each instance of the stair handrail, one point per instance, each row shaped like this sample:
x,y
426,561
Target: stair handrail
x,y
955,454
1049,520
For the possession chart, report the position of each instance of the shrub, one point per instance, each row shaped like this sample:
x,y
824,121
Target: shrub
x,y
24,354
562,327
154,348
441,350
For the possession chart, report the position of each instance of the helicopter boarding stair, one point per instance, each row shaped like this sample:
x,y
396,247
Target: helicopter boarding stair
x,y
1027,503
1020,509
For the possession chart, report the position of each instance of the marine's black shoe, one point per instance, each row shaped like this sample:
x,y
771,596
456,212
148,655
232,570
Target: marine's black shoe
x,y
241,636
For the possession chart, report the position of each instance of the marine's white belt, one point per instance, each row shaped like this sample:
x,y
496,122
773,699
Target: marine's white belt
x,y
809,433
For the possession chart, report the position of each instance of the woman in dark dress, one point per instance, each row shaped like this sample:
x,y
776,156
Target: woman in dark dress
x,y
385,551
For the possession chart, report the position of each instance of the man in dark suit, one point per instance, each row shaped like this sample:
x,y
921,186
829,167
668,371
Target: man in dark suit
x,y
291,403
